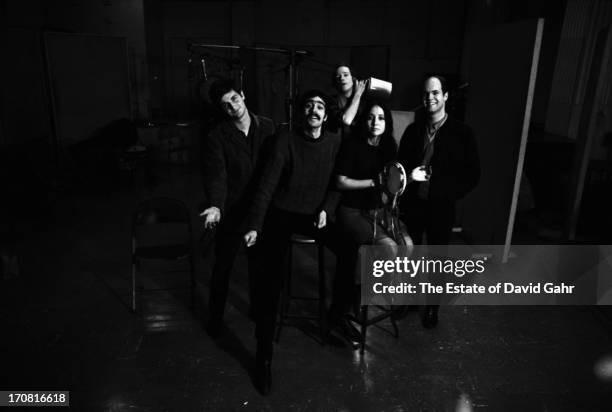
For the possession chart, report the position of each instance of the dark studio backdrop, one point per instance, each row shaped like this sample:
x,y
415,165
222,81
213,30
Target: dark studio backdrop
x,y
65,61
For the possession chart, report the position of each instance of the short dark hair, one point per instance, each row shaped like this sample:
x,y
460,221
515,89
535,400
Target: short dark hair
x,y
441,79
314,93
336,67
221,87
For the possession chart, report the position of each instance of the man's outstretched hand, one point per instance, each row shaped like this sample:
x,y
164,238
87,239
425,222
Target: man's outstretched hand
x,y
321,220
211,216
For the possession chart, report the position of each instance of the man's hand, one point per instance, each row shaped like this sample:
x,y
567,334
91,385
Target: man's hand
x,y
212,216
321,220
419,174
250,238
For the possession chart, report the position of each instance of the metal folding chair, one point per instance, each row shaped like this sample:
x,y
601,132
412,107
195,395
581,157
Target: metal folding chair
x,y
161,230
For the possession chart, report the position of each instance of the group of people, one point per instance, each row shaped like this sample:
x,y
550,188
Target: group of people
x,y
322,180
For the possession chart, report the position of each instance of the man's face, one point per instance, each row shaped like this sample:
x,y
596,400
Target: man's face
x,y
314,112
433,98
344,79
232,104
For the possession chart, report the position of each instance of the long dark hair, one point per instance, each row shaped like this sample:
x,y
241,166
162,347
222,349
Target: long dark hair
x,y
387,144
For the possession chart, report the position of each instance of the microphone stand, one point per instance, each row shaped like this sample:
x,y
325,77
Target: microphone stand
x,y
203,62
292,70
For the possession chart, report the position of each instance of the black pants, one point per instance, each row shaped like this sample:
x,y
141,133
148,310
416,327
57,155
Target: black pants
x,y
432,217
227,246
278,228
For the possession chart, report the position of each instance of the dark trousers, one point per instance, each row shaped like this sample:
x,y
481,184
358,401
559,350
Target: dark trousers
x,y
227,246
432,217
278,228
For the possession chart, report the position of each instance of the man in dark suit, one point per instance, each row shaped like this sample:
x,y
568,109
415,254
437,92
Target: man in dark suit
x,y
233,157
441,158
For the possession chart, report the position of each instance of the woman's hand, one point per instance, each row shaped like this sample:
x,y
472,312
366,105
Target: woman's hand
x,y
360,87
350,112
346,183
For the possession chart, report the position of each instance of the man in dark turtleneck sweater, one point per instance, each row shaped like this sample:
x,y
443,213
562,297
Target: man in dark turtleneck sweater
x,y
295,196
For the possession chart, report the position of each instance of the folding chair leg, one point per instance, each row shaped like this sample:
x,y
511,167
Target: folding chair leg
x,y
134,285
395,329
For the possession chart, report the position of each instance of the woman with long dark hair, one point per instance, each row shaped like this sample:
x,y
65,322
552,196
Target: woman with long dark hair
x,y
361,214
358,167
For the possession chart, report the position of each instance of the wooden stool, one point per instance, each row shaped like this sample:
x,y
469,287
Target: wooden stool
x,y
288,296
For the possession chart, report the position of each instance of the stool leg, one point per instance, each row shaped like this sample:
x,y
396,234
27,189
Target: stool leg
x,y
322,293
133,284
394,324
364,327
192,283
285,294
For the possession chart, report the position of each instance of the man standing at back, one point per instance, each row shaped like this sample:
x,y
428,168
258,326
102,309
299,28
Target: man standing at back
x,y
233,157
441,157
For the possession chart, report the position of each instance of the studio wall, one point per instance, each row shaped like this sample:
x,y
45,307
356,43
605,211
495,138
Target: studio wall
x,y
421,36
25,108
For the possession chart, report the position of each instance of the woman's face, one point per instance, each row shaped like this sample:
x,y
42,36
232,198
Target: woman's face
x,y
376,121
344,79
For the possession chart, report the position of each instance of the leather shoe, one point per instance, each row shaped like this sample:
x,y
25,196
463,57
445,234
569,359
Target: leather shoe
x,y
430,317
263,375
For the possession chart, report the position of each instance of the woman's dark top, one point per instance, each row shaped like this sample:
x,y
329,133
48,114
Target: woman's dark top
x,y
358,160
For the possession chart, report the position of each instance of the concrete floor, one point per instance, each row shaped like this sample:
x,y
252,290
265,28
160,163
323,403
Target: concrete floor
x,y
66,326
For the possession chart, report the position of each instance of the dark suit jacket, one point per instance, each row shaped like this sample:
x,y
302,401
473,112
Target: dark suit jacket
x,y
455,164
232,166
